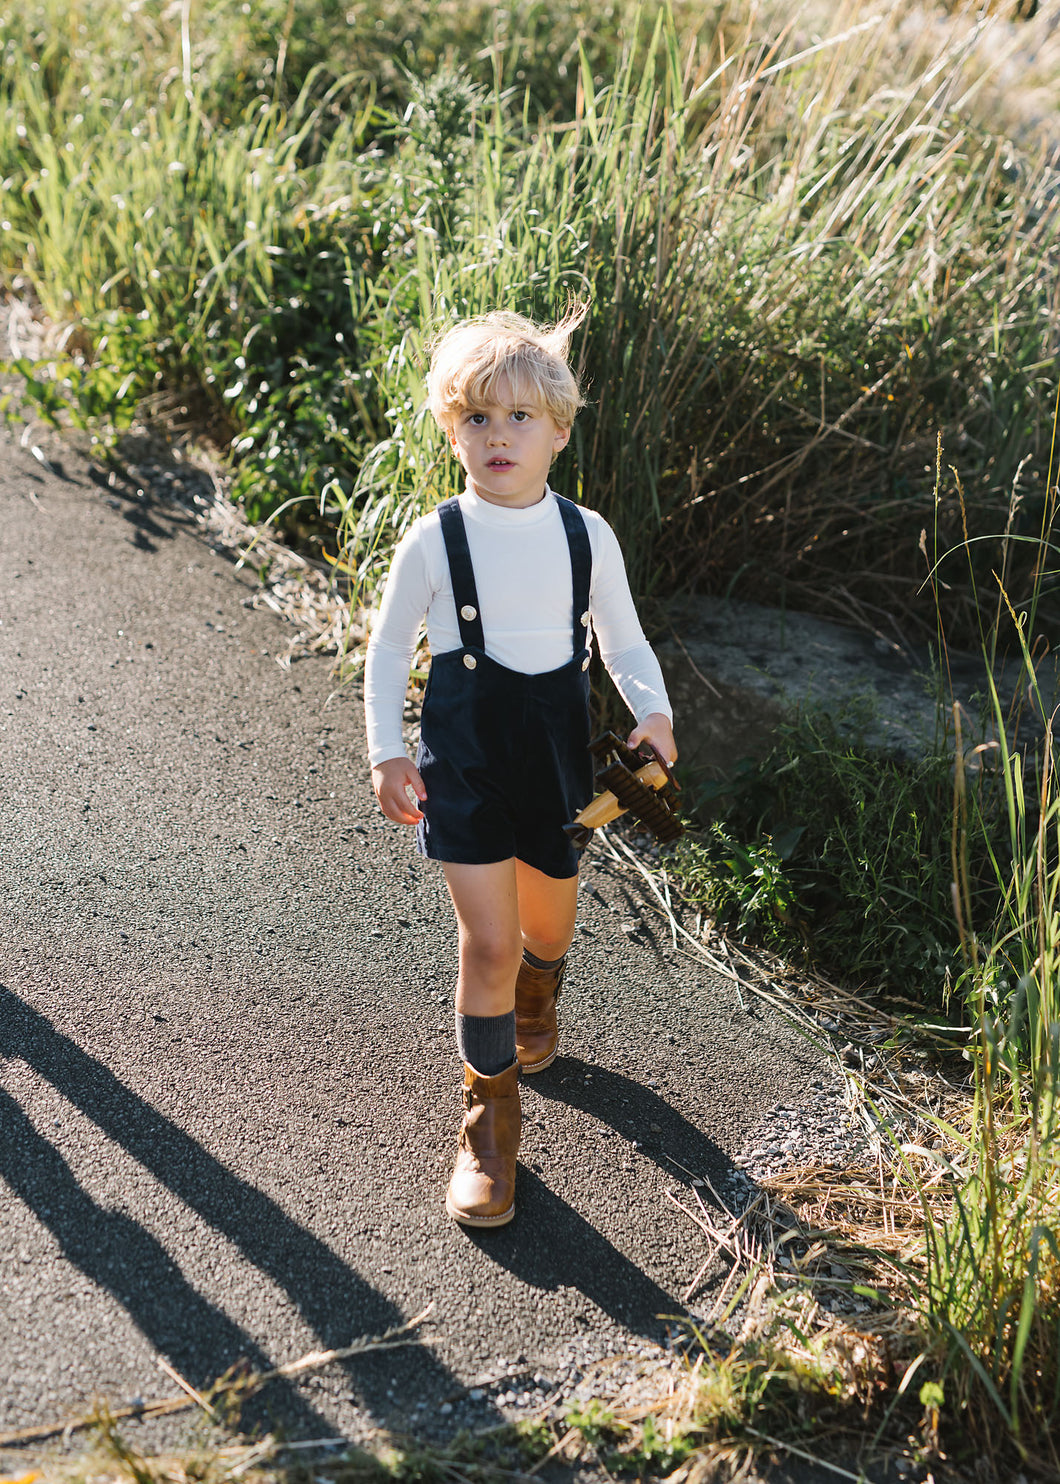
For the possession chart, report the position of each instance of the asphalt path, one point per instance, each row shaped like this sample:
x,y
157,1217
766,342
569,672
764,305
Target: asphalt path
x,y
228,1084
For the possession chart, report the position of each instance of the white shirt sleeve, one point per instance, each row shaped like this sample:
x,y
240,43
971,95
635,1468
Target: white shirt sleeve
x,y
628,657
406,598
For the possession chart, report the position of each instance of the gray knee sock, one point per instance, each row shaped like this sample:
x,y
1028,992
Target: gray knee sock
x,y
486,1042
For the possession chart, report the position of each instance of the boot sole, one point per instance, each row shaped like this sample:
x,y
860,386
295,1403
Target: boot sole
x,y
466,1220
528,1068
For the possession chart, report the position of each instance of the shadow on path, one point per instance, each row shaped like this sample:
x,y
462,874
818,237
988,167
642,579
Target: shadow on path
x,y
576,1254
639,1115
139,506
115,1252
129,1263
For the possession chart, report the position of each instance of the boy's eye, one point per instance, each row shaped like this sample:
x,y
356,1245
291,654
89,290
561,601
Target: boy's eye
x,y
476,418
519,417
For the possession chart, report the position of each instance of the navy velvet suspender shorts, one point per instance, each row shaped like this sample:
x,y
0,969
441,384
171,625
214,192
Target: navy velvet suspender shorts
x,y
504,756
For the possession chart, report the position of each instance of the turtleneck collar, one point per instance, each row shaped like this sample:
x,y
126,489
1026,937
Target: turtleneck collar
x,y
484,511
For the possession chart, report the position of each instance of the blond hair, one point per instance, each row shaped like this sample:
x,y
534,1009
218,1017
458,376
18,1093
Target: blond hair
x,y
468,360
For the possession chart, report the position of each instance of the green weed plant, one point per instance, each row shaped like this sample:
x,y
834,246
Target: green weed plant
x,y
840,855
992,1292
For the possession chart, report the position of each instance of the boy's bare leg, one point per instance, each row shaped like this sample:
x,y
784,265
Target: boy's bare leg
x,y
486,902
547,910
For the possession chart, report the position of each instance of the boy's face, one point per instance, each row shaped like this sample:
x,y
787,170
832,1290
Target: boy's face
x,y
507,446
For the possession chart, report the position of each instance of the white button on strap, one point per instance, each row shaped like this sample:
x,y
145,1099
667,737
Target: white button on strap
x,y
584,618
585,663
470,661
468,612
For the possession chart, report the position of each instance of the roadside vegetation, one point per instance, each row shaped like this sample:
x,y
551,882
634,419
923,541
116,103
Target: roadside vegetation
x,y
821,248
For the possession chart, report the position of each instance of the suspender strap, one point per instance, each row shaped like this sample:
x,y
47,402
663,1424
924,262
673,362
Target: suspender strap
x,y
581,569
465,594
462,573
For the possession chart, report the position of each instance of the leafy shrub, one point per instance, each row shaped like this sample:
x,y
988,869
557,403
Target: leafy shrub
x,y
846,854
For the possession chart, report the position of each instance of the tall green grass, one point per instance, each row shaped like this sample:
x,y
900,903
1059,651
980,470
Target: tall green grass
x,y
807,252
987,1299
776,336
992,1292
962,876
593,208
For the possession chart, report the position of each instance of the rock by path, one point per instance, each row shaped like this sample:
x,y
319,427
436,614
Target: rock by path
x,y
228,1087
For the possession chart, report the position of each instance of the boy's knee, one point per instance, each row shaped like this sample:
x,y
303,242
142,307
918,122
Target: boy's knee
x,y
491,955
551,948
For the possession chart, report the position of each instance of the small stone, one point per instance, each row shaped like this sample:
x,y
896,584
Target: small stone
x,y
446,1408
476,1394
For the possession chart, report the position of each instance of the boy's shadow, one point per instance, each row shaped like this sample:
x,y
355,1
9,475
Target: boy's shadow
x,y
128,1262
576,1253
642,1117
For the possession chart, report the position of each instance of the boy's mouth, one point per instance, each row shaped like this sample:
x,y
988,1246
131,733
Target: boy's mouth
x,y
499,464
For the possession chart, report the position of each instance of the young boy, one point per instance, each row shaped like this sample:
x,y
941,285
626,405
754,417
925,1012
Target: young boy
x,y
513,581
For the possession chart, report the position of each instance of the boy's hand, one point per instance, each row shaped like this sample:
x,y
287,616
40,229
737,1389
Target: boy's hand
x,y
392,780
656,730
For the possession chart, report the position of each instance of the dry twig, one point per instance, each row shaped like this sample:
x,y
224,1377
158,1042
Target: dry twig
x,y
392,1339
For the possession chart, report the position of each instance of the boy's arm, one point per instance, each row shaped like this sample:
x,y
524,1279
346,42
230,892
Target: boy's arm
x,y
405,599
628,657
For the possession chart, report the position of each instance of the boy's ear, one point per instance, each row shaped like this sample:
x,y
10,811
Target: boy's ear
x,y
560,441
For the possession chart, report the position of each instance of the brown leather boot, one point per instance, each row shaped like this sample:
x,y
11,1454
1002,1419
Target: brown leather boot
x,y
536,1029
482,1188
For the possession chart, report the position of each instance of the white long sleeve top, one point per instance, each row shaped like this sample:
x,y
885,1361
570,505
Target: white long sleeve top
x,y
522,573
